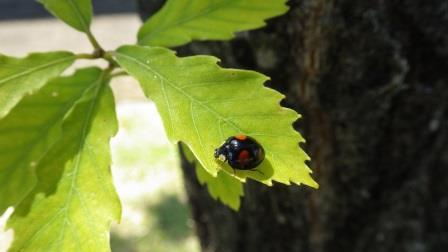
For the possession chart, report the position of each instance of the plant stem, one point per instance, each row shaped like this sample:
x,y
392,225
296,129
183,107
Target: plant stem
x,y
99,52
108,56
95,43
86,56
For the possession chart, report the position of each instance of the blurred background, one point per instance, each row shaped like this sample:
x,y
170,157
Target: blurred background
x,y
145,165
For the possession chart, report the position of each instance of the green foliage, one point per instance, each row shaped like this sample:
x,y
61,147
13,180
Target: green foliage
x,y
180,21
55,130
32,127
74,202
19,76
76,13
202,104
223,187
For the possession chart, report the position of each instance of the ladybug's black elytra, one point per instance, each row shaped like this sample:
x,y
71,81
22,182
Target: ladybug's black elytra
x,y
241,152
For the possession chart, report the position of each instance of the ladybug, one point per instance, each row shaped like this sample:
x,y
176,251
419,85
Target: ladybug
x,y
241,152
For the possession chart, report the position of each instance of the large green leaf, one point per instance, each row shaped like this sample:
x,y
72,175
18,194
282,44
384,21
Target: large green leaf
x,y
76,13
202,104
19,76
73,204
32,127
223,187
181,21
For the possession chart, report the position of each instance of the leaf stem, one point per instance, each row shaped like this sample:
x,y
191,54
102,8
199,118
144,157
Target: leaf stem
x,y
98,49
108,56
86,56
99,52
103,55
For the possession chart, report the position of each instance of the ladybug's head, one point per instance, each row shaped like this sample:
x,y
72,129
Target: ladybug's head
x,y
219,154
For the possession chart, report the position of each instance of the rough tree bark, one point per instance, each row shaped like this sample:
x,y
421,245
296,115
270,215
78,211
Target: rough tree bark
x,y
371,81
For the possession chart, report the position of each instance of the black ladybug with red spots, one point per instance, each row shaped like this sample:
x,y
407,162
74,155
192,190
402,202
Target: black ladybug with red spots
x,y
241,152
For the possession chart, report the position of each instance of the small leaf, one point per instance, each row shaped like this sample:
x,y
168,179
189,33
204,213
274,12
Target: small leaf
x,y
74,202
32,127
180,21
19,76
76,13
223,187
202,104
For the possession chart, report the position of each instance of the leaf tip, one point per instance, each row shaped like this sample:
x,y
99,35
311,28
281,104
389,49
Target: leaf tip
x,y
312,183
307,180
235,206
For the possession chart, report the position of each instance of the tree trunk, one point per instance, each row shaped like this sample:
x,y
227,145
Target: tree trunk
x,y
371,81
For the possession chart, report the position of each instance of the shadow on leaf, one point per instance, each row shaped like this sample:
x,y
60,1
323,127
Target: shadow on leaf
x,y
262,173
51,168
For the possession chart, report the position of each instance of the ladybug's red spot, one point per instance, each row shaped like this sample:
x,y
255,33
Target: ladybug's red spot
x,y
243,157
241,137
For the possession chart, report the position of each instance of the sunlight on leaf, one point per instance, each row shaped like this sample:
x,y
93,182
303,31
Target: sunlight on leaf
x,y
74,202
202,104
180,21
32,127
76,13
19,76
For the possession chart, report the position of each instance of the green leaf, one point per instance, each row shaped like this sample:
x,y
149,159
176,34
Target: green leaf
x,y
223,187
19,76
32,127
180,21
202,104
74,202
76,13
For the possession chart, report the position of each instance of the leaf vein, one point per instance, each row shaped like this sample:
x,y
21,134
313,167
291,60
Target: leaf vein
x,y
181,91
78,13
41,229
35,69
168,105
193,118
